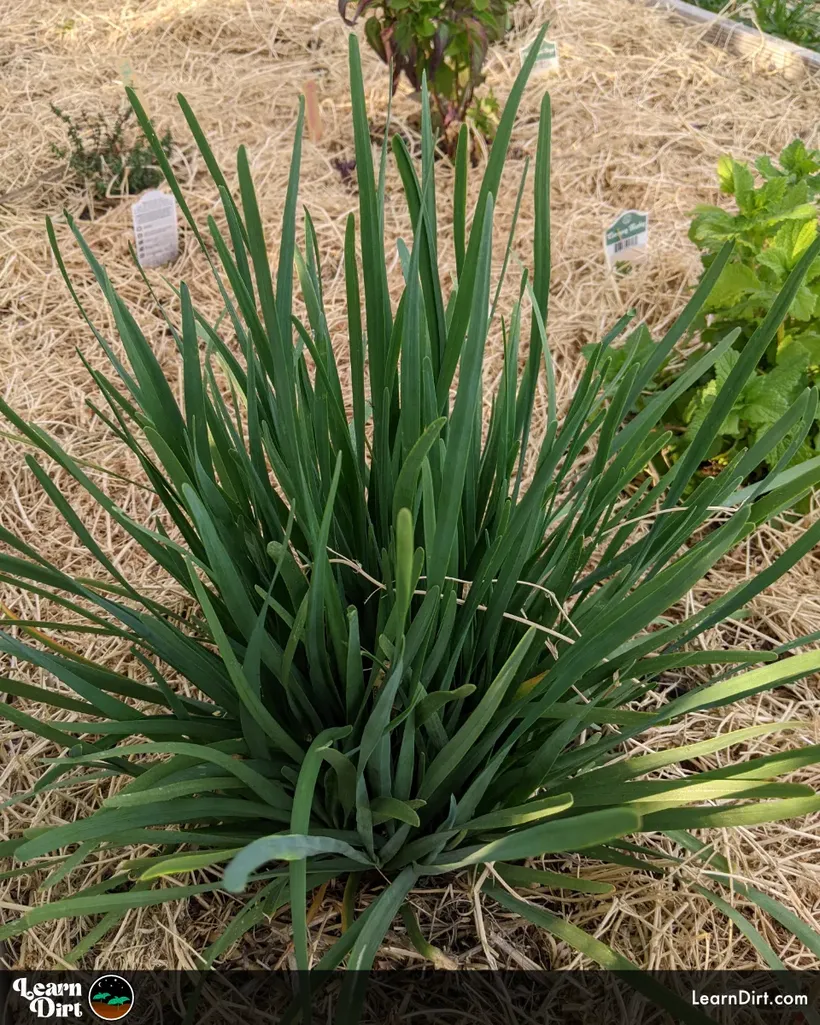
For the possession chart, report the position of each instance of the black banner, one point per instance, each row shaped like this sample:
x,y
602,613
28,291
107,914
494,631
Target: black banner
x,y
430,997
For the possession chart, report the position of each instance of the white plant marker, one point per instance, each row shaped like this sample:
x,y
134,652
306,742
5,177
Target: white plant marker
x,y
547,59
627,237
129,78
156,228
126,72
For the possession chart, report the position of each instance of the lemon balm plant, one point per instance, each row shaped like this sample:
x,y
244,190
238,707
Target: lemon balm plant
x,y
775,224
408,655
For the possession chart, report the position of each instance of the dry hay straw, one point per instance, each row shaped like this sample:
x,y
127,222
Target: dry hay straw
x,y
642,110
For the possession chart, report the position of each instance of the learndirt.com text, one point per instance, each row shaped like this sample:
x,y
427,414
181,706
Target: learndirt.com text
x,y
750,998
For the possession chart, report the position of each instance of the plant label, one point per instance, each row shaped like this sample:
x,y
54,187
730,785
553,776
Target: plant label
x,y
627,237
126,72
129,77
156,229
547,59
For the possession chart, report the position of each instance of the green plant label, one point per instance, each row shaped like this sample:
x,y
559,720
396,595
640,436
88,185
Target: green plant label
x,y
627,236
155,228
547,59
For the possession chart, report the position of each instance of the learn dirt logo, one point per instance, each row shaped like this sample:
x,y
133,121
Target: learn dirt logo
x,y
111,997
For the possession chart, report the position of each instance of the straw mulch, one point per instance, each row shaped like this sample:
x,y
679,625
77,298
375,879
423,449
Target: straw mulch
x,y
642,111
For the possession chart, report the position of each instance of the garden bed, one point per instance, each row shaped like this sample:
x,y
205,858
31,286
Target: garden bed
x,y
745,40
642,111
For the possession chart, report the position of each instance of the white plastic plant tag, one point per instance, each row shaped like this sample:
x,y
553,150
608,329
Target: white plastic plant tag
x,y
126,72
627,237
156,229
547,59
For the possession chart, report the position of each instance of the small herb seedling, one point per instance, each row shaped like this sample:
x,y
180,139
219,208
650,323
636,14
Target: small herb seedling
x,y
103,155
